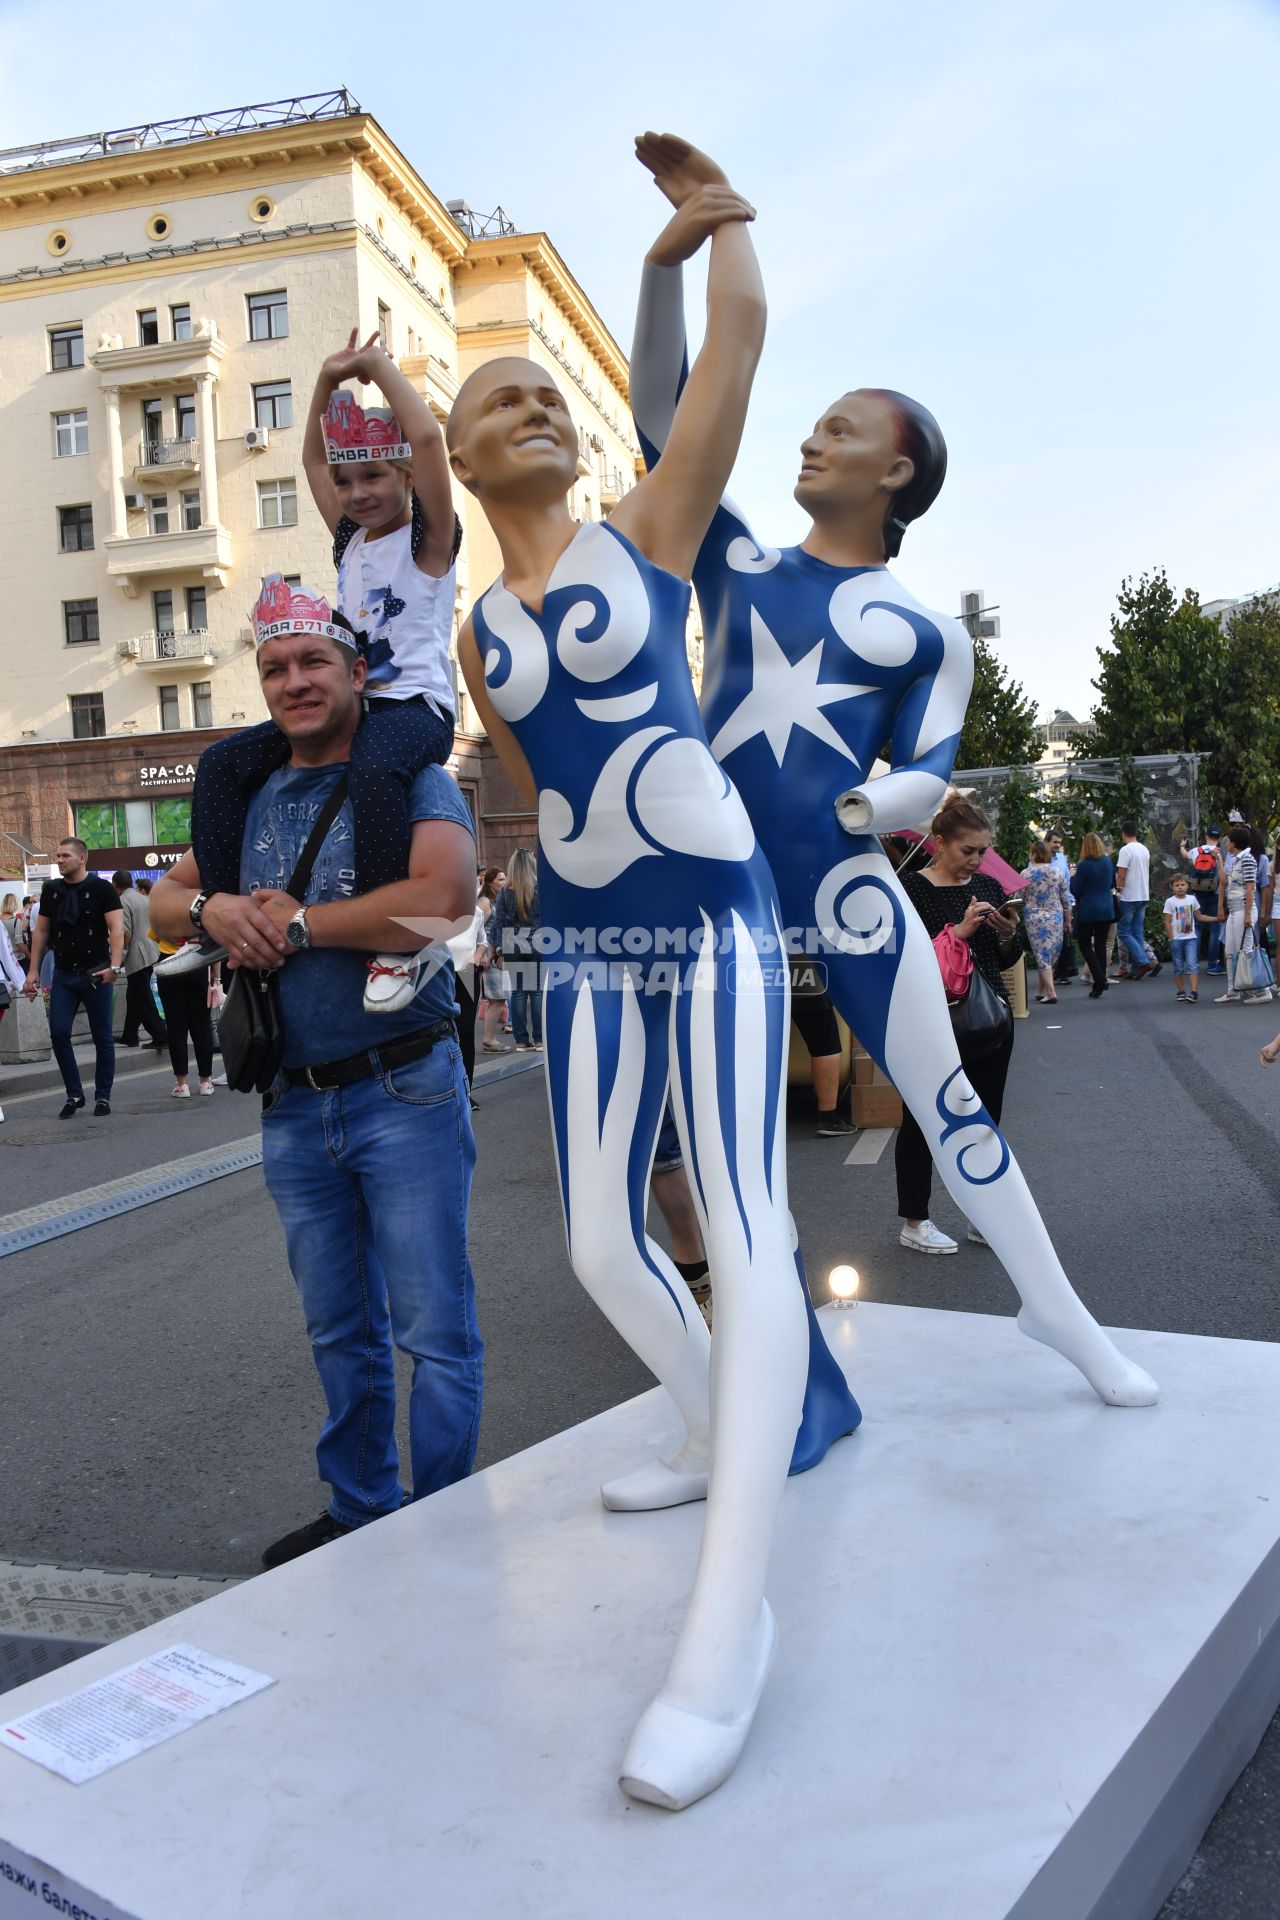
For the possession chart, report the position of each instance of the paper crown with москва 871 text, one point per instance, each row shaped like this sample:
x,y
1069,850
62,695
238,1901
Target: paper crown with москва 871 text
x,y
281,608
353,433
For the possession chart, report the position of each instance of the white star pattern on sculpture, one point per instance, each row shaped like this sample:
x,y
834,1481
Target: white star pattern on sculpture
x,y
784,696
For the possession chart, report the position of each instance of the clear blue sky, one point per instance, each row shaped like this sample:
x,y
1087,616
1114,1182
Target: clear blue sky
x,y
1053,223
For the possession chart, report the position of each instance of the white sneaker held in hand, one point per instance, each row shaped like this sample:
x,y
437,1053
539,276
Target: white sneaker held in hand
x,y
392,982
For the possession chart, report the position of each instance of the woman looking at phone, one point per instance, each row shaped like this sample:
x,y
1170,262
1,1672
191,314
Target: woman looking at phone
x,y
950,892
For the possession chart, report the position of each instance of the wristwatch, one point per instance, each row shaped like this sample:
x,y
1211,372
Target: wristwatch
x,y
196,912
297,932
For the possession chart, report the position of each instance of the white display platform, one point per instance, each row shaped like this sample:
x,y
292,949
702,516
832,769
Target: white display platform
x,y
1027,1643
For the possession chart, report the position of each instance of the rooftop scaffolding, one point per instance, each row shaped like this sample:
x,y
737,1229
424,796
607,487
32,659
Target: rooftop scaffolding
x,y
335,105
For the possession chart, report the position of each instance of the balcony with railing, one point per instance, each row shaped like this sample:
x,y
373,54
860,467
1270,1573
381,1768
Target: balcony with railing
x,y
162,366
612,488
172,647
183,454
132,558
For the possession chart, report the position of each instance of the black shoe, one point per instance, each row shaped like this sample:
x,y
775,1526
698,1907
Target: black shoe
x,y
101,1108
475,1106
317,1533
74,1103
832,1126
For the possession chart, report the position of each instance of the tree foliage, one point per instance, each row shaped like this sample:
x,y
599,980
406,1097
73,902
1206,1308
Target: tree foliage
x,y
1019,806
1000,725
1176,681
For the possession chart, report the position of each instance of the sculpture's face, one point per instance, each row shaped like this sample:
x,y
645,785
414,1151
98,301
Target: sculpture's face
x,y
510,434
851,459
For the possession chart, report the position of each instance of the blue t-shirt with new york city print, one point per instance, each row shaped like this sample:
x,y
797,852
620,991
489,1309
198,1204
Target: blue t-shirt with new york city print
x,y
322,988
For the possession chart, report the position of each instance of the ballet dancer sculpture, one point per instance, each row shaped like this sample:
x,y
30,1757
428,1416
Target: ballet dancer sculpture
x,y
576,660
814,657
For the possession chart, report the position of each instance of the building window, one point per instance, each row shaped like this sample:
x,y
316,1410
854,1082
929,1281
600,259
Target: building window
x,y
277,503
202,703
185,415
66,348
80,622
133,823
293,579
273,404
190,510
152,422
71,433
88,716
197,610
158,512
75,529
148,327
180,320
384,325
170,717
162,609
269,315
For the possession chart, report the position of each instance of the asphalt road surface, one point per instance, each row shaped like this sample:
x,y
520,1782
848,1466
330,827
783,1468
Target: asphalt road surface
x,y
160,1406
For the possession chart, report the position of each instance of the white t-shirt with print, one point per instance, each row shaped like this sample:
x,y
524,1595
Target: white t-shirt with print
x,y
1133,869
1182,916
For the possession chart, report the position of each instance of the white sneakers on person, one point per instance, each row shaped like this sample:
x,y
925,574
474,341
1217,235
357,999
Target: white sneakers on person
x,y
978,1239
1227,999
926,1239
392,981
195,953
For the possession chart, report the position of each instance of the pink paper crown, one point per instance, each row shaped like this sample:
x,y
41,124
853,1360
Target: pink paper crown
x,y
281,608
353,433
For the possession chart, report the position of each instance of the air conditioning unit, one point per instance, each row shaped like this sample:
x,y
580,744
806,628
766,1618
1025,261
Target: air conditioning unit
x,y
135,502
257,438
130,649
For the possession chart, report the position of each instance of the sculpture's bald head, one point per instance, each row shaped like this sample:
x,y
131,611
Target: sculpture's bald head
x,y
510,433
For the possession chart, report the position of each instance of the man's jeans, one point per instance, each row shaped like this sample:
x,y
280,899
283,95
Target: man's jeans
x,y
1213,945
1131,916
372,1183
67,993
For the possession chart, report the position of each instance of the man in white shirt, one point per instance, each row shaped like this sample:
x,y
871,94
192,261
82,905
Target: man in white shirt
x,y
1133,887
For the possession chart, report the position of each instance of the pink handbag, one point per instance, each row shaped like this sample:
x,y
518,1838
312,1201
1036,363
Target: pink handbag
x,y
955,963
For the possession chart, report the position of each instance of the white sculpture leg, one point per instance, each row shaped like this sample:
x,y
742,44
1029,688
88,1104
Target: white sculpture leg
x,y
630,1279
690,1736
978,1170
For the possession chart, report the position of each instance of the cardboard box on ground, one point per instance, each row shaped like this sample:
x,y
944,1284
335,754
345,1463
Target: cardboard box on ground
x,y
874,1098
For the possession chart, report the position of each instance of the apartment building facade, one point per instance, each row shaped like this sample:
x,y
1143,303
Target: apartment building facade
x,y
167,295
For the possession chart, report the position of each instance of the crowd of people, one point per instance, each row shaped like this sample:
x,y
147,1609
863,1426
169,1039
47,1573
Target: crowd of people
x,y
1219,915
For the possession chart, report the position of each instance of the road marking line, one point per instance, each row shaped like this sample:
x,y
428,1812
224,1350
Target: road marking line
x,y
30,1226
868,1147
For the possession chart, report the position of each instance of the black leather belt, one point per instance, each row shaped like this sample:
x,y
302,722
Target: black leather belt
x,y
363,1066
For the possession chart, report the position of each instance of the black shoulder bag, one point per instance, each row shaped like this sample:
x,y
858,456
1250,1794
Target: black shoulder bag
x,y
250,1031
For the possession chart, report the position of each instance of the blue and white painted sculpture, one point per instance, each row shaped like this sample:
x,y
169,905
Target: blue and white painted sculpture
x,y
811,664
576,660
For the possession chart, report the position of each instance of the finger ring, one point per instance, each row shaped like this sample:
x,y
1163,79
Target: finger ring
x,y
244,946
